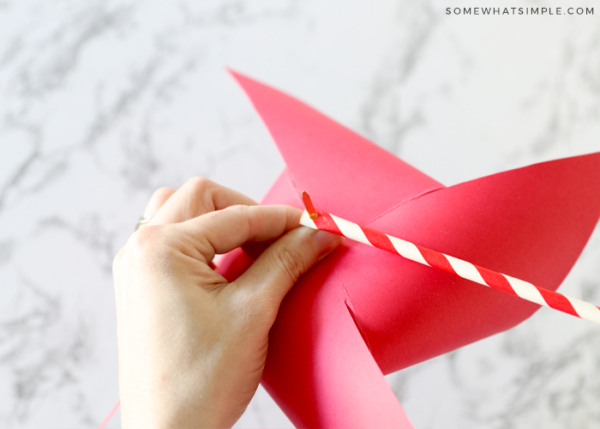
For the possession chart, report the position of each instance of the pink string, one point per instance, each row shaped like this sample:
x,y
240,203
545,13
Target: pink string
x,y
112,413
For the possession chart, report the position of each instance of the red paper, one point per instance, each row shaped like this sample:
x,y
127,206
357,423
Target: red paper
x,y
362,312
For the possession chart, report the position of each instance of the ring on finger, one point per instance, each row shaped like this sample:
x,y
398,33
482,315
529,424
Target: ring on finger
x,y
143,221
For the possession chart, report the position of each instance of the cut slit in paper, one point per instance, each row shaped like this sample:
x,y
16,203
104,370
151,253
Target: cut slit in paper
x,y
362,313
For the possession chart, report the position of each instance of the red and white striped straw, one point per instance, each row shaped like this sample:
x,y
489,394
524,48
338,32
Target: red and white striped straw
x,y
318,219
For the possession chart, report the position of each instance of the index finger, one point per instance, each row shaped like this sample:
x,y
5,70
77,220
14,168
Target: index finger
x,y
195,198
224,230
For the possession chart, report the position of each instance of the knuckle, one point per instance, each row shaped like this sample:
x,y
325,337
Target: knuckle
x,y
198,191
149,242
241,214
162,191
288,260
252,307
199,184
238,209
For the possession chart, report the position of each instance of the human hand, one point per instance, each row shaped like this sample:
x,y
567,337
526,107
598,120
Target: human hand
x,y
192,346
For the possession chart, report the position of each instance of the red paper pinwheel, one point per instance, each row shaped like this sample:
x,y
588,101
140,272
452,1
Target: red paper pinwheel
x,y
362,313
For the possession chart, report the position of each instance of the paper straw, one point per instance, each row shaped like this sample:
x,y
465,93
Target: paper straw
x,y
319,219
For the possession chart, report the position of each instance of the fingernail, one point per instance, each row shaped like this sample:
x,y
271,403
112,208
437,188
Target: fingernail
x,y
327,242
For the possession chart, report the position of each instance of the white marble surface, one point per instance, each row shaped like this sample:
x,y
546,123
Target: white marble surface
x,y
101,102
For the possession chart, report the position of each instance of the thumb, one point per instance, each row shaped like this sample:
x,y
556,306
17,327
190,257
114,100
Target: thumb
x,y
283,262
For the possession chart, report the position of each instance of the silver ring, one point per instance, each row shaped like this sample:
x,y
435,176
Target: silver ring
x,y
143,221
